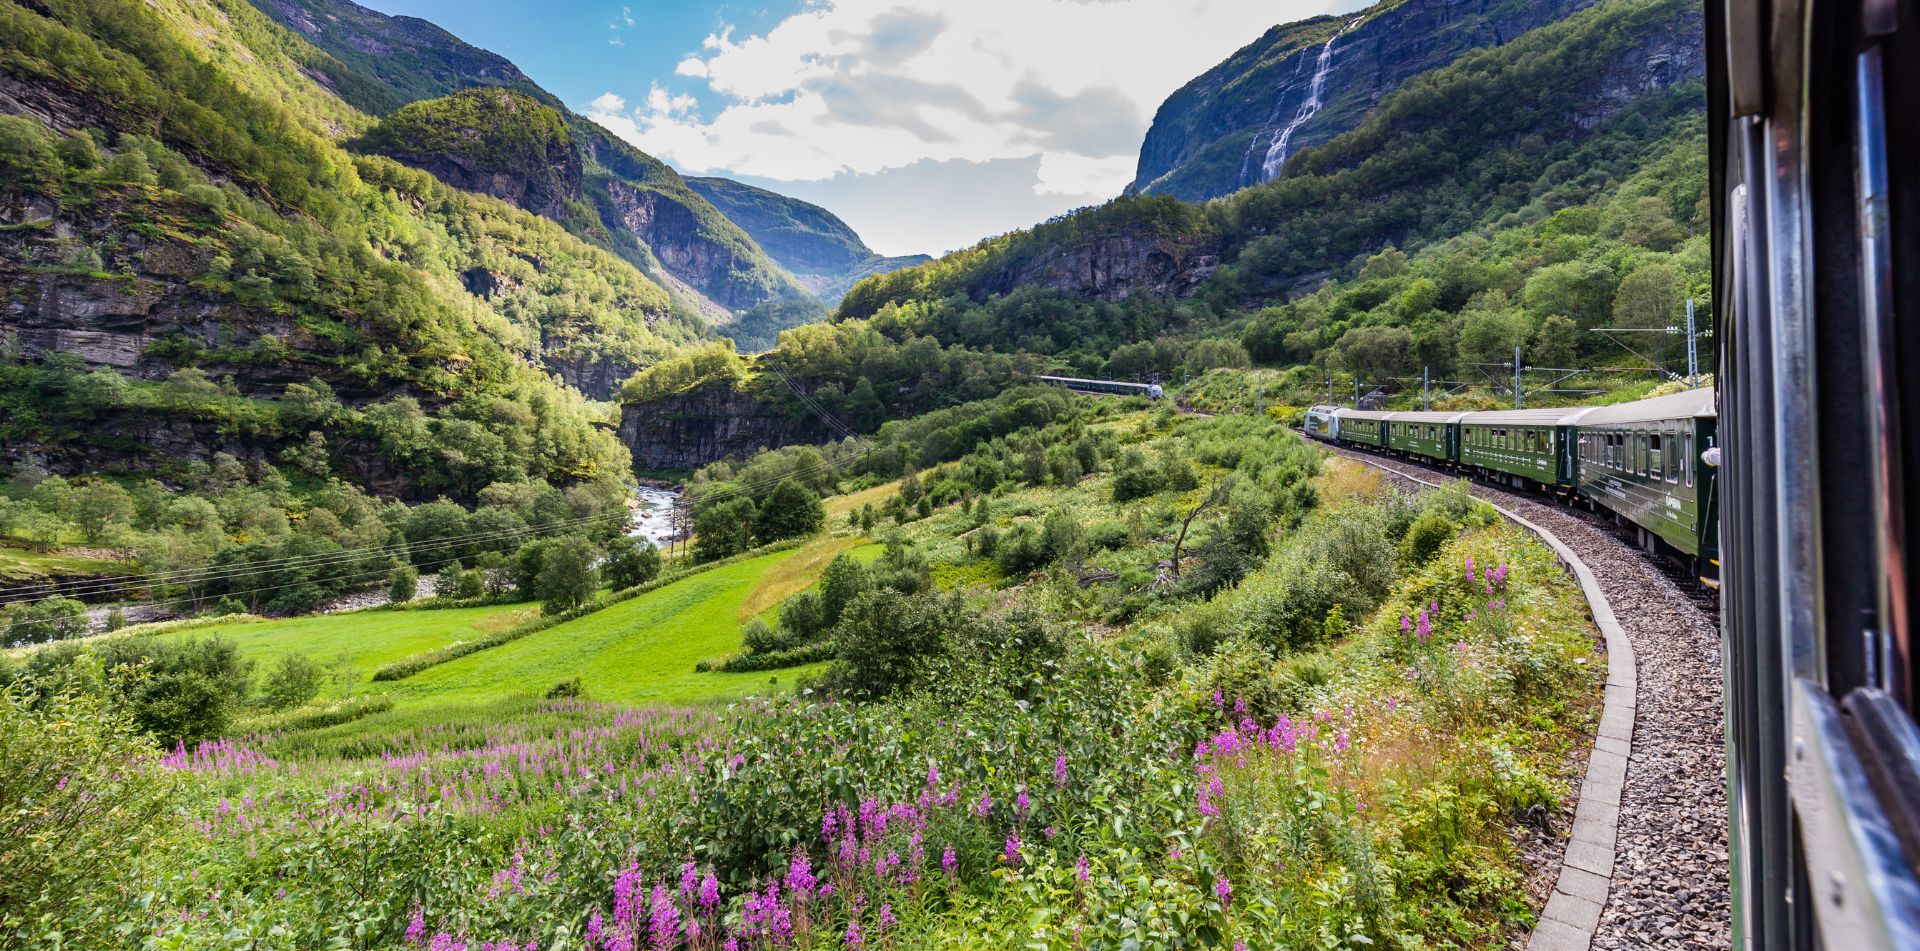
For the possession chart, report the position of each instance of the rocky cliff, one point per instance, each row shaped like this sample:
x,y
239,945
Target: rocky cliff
x,y
1303,83
706,424
410,58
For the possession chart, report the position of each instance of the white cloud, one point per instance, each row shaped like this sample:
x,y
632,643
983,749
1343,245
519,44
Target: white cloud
x,y
607,102
863,87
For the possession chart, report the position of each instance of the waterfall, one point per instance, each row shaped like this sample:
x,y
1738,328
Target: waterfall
x,y
1309,107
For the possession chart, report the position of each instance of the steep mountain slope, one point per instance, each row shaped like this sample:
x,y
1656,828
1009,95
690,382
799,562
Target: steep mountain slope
x,y
227,280
1546,120
1303,83
808,240
633,203
410,58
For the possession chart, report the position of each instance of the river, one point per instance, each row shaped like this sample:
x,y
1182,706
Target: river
x,y
653,514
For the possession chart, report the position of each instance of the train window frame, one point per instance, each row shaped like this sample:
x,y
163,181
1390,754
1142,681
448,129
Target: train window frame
x,y
1656,457
1686,458
1640,458
1673,464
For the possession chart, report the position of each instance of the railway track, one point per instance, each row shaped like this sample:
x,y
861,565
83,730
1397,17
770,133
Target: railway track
x,y
1669,884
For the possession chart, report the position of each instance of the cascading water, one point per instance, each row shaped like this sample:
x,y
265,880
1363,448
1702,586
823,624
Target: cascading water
x,y
1277,151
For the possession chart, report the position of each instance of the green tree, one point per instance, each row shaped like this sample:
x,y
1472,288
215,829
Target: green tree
x,y
1489,335
1647,298
37,622
885,639
631,562
723,527
97,505
293,682
1556,342
1375,353
403,582
567,574
844,579
791,510
472,584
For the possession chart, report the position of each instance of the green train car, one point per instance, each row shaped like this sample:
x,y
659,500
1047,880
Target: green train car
x,y
1641,461
1424,434
1526,444
1366,427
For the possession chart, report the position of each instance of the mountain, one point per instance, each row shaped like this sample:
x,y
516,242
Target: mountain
x,y
808,240
1302,84
191,265
461,112
409,58
1553,118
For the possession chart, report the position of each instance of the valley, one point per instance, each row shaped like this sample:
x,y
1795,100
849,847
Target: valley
x,y
431,520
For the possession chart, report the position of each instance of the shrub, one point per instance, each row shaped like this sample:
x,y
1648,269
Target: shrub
x,y
1134,477
471,584
403,582
293,682
1425,537
885,638
86,800
568,689
723,528
631,562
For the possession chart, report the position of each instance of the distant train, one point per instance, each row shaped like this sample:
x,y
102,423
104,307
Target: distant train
x,y
1151,391
1640,461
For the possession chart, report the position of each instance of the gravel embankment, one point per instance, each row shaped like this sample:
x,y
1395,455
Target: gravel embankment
x,y
1670,885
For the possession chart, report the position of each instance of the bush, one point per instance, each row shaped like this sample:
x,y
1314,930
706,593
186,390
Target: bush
x,y
723,528
1425,537
471,584
568,689
403,582
630,562
887,637
177,691
1134,477
86,799
293,682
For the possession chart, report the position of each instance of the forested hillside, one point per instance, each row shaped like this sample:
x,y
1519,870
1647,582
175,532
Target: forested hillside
x,y
1576,147
192,274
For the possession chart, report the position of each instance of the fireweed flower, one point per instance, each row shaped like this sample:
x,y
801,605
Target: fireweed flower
x,y
1080,868
1021,803
948,861
1012,851
1060,771
886,917
417,928
1224,889
709,893
853,934
984,807
800,878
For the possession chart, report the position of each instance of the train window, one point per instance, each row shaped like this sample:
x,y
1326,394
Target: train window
x,y
1653,454
1686,457
1673,461
1640,458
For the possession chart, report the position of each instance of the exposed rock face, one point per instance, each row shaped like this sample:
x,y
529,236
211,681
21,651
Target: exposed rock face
x,y
543,186
677,239
1208,138
1661,61
597,379
1117,267
707,424
825,255
137,312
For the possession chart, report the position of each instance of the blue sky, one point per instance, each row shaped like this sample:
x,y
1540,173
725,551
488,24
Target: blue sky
x,y
926,124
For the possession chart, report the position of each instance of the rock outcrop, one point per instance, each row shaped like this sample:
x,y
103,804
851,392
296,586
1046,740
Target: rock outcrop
x,y
707,424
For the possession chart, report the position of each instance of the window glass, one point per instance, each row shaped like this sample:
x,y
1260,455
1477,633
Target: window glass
x,y
1654,453
1686,457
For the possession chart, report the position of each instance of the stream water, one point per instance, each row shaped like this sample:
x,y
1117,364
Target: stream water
x,y
653,514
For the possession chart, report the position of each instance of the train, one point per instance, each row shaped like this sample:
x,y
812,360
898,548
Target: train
x,y
1643,462
1151,391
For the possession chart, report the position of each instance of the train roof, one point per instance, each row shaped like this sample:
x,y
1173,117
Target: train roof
x,y
1374,414
1688,405
1428,416
1548,416
1075,379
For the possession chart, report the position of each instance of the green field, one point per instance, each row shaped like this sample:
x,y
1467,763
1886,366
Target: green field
x,y
21,565
641,650
366,639
638,651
